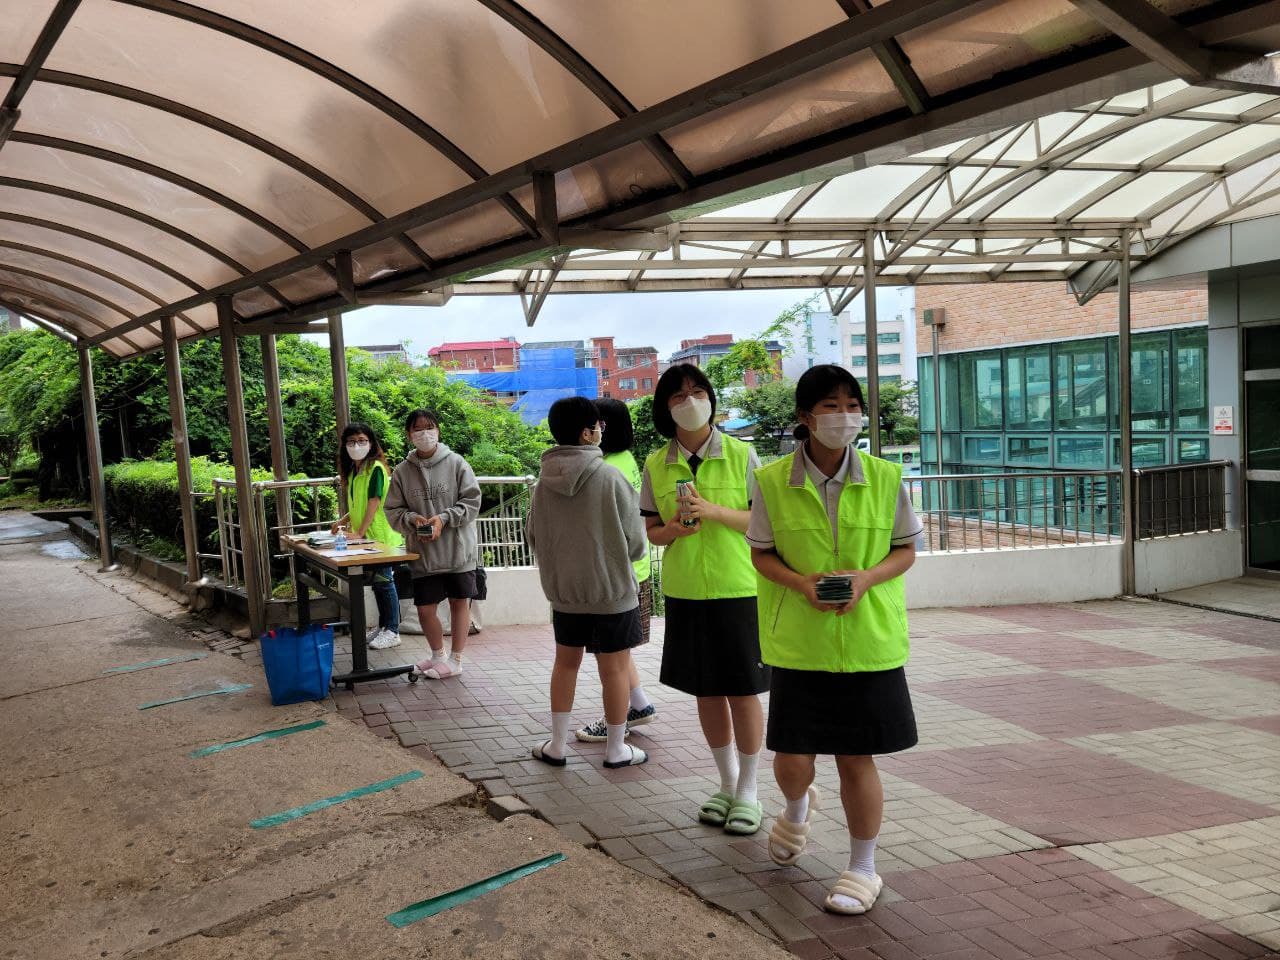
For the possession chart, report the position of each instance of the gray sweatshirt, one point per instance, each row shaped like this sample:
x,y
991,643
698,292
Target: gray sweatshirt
x,y
585,526
444,485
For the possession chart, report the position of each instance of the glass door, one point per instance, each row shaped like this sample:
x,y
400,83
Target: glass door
x,y
1262,446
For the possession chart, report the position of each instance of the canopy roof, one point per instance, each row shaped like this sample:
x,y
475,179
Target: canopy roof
x,y
285,159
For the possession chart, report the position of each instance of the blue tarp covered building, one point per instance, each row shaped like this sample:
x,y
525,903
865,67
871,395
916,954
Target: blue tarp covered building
x,y
543,378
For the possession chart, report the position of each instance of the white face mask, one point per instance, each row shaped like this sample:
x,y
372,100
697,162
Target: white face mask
x,y
594,436
692,414
425,440
357,451
837,430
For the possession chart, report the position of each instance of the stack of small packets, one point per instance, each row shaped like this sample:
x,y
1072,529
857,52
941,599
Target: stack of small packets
x,y
835,590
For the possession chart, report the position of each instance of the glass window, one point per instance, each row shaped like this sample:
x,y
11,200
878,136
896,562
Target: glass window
x,y
1262,424
1080,387
627,383
859,360
981,393
981,449
891,378
1193,449
1029,451
1081,453
648,383
950,403
1262,348
950,451
1028,389
604,353
889,359
858,340
1191,390
1147,452
887,338
1150,382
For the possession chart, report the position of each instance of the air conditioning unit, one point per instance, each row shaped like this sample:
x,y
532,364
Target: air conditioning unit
x,y
934,316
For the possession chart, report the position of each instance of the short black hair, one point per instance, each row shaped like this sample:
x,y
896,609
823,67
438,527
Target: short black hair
x,y
670,384
569,416
619,434
818,383
414,415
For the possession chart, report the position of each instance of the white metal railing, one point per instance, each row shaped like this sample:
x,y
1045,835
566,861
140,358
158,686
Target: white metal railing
x,y
1003,511
501,528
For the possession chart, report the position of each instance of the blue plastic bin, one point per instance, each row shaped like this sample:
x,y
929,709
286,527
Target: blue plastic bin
x,y
298,663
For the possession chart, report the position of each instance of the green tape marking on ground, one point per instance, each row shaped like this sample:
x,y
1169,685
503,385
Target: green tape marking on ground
x,y
447,901
258,738
234,688
284,816
148,664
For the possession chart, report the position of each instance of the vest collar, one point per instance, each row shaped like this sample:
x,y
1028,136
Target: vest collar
x,y
715,448
852,467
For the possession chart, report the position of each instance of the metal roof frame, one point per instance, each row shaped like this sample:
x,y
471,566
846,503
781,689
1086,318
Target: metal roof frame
x,y
550,233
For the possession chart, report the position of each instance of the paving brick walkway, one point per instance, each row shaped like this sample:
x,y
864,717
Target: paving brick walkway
x,y
1095,781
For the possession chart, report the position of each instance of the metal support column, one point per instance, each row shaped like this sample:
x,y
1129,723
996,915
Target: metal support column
x,y
181,449
873,347
1126,423
341,396
937,437
275,426
338,361
93,450
253,575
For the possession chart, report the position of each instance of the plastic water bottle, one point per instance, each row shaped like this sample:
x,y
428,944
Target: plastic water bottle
x,y
340,543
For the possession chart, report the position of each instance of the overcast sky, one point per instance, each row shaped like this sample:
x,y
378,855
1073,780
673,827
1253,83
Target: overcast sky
x,y
660,320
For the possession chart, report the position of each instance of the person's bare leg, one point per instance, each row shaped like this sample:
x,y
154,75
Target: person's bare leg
x,y
564,685
432,629
613,682
748,733
459,627
717,727
862,795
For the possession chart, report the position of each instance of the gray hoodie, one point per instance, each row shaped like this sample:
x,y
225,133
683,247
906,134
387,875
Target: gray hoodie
x,y
585,526
445,485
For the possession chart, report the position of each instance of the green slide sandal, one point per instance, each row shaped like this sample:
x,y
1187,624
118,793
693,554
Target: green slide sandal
x,y
715,809
744,818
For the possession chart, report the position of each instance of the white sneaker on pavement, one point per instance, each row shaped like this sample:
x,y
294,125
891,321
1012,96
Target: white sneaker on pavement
x,y
384,640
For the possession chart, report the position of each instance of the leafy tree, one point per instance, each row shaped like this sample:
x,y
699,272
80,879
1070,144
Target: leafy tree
x,y
647,439
899,413
752,353
772,407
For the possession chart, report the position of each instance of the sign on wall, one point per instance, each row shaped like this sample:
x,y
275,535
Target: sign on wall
x,y
1224,421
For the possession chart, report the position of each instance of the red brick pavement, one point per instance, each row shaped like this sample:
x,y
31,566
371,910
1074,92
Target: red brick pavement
x,y
1030,904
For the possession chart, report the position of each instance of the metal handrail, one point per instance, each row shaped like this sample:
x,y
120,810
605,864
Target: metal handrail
x,y
1160,510
1175,467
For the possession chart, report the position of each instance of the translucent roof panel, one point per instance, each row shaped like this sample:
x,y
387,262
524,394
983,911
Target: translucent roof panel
x,y
164,155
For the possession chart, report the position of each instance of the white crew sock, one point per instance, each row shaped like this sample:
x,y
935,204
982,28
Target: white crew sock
x,y
726,758
559,735
745,789
862,859
455,661
639,700
616,749
797,811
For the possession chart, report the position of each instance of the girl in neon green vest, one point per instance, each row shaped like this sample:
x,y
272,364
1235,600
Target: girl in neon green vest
x,y
362,465
838,685
712,644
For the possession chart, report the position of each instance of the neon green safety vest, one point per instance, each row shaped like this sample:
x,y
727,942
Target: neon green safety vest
x,y
792,633
625,463
358,500
714,563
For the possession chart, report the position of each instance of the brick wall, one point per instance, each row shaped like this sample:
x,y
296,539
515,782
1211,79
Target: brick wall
x,y
998,314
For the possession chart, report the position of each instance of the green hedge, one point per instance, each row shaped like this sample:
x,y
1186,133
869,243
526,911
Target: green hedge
x,y
142,499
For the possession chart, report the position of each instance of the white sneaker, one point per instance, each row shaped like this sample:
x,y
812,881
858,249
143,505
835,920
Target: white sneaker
x,y
384,640
370,634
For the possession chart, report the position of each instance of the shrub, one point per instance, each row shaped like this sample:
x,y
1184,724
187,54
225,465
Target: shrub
x,y
142,499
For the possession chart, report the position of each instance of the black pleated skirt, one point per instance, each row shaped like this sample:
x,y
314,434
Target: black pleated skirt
x,y
712,648
840,714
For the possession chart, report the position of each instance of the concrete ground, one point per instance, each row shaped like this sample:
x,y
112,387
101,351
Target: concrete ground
x,y
120,843
1095,780
1258,596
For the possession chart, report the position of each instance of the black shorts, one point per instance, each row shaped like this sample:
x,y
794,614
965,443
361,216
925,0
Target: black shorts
x,y
431,589
598,632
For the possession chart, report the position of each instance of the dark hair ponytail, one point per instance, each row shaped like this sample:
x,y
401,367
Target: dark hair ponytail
x,y
818,383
